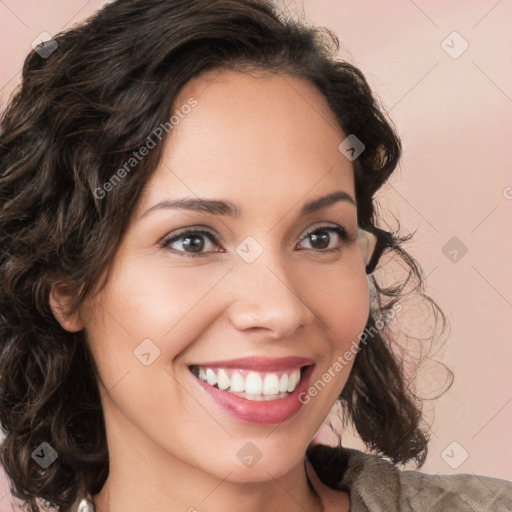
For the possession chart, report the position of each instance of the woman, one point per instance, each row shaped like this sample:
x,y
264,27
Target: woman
x,y
189,236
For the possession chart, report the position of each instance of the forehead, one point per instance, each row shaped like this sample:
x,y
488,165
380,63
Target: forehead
x,y
253,136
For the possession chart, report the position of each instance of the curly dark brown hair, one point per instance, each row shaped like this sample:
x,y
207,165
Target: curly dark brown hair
x,y
78,115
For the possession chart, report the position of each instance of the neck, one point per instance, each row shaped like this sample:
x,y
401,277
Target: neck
x,y
143,476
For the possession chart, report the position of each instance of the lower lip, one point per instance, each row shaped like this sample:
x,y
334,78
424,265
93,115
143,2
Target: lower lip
x,y
263,413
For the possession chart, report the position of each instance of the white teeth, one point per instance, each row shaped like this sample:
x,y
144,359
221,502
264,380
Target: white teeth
x,y
293,380
237,383
271,384
250,384
223,380
283,383
262,398
211,377
253,384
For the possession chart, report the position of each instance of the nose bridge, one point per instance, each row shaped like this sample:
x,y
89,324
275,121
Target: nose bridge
x,y
265,295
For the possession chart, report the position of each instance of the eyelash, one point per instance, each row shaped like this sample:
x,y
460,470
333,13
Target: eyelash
x,y
341,232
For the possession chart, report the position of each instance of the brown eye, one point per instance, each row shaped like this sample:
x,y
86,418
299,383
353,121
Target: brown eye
x,y
193,242
321,238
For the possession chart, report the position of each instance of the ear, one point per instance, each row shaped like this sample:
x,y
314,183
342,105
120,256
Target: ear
x,y
60,299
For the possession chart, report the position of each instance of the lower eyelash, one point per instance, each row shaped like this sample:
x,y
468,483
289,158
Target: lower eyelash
x,y
167,242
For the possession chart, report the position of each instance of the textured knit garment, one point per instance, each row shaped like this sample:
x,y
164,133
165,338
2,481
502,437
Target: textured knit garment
x,y
376,485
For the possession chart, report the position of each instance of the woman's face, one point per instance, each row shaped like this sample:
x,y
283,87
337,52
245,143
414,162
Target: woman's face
x,y
255,287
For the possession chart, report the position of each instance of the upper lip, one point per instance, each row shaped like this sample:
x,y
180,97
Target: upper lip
x,y
262,364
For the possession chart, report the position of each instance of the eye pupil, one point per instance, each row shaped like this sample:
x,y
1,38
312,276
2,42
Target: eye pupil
x,y
196,246
325,238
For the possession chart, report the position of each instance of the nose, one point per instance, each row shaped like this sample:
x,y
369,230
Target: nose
x,y
267,298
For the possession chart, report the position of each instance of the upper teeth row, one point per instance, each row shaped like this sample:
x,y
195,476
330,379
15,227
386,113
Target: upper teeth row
x,y
254,383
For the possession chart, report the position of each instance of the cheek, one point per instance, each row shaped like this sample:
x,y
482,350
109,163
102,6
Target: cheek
x,y
162,302
348,311
341,301
343,310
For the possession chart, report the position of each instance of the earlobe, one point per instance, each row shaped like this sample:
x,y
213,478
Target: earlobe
x,y
59,303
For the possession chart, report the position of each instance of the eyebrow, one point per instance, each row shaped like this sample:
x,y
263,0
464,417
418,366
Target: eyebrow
x,y
220,207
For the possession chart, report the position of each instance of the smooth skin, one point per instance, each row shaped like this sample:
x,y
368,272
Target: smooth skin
x,y
269,144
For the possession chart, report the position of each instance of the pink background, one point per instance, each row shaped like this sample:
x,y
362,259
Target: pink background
x,y
454,117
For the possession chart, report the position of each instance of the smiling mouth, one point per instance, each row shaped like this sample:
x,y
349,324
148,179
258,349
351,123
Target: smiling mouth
x,y
250,384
